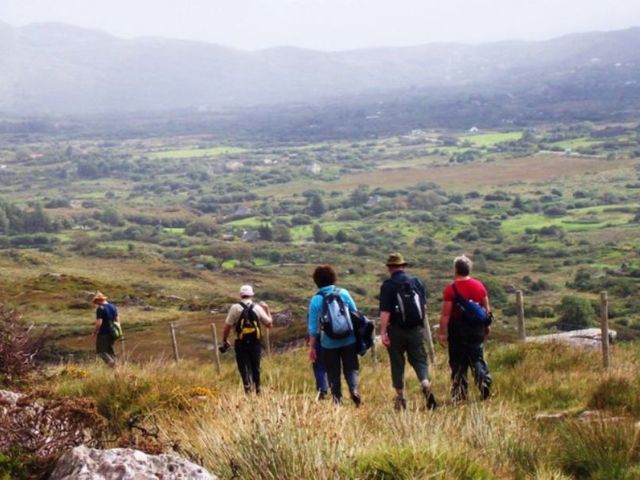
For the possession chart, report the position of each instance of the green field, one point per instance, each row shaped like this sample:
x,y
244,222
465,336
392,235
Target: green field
x,y
488,139
195,152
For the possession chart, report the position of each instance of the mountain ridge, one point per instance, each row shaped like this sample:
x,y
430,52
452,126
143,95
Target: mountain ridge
x,y
57,68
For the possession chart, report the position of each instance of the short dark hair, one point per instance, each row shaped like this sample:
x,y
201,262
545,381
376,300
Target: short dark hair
x,y
324,275
462,265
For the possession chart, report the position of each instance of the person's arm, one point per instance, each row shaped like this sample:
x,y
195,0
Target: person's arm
x,y
97,326
445,315
225,334
384,325
266,317
228,323
313,328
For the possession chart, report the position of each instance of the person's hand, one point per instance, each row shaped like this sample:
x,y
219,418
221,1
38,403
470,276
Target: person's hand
x,y
487,331
264,305
386,341
442,338
313,355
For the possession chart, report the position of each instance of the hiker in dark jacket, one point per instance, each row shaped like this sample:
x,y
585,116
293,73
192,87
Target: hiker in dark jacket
x,y
465,339
339,354
106,316
245,317
403,306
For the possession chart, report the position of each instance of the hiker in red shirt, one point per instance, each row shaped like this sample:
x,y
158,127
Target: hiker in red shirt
x,y
465,337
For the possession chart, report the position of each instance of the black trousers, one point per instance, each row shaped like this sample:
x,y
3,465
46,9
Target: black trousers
x,y
248,360
345,360
462,356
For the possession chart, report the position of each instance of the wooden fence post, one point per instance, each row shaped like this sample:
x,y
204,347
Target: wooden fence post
x,y
604,325
215,345
174,342
268,341
124,350
522,333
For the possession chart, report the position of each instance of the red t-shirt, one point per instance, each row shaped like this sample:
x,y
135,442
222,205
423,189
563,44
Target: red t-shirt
x,y
470,289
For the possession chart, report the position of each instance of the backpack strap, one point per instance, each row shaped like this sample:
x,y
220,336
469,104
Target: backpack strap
x,y
459,299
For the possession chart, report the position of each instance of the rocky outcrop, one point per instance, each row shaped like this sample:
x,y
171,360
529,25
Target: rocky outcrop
x,y
84,463
588,338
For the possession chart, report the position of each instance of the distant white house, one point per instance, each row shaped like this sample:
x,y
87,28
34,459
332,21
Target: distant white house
x,y
474,129
250,236
315,168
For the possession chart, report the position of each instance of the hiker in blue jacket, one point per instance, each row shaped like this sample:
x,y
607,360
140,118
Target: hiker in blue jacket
x,y
339,354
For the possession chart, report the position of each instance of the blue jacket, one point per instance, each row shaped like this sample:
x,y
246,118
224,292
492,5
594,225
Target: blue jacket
x,y
315,310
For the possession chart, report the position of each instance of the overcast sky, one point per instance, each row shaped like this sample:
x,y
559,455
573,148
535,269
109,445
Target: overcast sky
x,y
330,24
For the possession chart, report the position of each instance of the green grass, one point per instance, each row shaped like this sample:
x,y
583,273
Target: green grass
x,y
195,152
488,139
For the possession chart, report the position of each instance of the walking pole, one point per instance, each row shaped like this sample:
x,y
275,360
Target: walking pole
x,y
374,358
215,346
174,341
430,346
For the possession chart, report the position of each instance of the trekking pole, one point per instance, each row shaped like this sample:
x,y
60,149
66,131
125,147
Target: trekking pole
x,y
604,325
430,346
374,358
215,346
174,342
522,333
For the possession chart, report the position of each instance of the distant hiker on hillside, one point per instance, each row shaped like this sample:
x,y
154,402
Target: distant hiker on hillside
x,y
464,324
107,329
245,317
329,320
403,307
319,370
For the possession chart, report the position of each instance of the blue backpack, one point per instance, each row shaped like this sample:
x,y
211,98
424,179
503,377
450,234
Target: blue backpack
x,y
335,318
472,312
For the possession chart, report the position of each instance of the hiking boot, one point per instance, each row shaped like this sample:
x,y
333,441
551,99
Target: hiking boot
x,y
400,403
430,399
322,395
485,391
357,400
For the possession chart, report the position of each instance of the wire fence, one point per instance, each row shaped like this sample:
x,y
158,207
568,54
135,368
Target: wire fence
x,y
200,340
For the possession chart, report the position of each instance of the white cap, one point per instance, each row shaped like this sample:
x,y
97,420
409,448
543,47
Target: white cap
x,y
246,291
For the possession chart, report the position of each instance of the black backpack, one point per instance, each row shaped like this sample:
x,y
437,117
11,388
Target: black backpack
x,y
410,311
247,326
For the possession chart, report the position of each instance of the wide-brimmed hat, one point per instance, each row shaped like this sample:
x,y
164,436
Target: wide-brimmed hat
x,y
99,298
246,291
396,260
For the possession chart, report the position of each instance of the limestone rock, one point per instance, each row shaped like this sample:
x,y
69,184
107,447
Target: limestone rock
x,y
588,338
84,463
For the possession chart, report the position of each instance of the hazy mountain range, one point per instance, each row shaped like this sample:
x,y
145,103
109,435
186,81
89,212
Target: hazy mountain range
x,y
53,68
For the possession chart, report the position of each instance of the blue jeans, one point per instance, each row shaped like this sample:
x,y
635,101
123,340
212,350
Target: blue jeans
x,y
319,370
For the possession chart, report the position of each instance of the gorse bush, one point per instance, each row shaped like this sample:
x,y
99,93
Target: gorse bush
x,y
20,343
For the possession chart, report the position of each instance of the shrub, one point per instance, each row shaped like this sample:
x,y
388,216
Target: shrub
x,y
575,313
19,345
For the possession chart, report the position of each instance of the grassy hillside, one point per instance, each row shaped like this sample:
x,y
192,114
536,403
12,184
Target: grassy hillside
x,y
555,415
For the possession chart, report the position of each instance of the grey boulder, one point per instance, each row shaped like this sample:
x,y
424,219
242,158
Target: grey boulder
x,y
84,463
